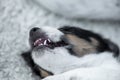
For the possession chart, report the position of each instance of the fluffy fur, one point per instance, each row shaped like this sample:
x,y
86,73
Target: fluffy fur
x,y
88,68
60,63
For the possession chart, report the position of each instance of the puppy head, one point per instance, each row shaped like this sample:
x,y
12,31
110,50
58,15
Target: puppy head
x,y
78,41
46,37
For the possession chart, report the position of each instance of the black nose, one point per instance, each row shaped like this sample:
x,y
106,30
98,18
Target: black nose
x,y
34,29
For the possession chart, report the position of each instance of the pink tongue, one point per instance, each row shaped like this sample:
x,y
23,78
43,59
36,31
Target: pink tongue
x,y
38,41
42,41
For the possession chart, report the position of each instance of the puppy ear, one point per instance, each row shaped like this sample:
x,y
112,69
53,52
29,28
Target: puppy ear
x,y
112,47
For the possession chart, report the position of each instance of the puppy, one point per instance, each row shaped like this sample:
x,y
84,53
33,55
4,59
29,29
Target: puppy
x,y
71,53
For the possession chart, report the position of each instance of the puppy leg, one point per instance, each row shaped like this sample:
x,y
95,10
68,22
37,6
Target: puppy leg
x,y
87,74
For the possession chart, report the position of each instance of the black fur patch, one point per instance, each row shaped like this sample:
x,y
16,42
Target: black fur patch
x,y
29,61
34,67
104,44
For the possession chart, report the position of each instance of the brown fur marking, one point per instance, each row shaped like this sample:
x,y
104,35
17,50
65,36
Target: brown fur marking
x,y
81,46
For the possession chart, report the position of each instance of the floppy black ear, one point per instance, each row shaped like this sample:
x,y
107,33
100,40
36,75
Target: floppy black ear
x,y
104,44
112,47
29,61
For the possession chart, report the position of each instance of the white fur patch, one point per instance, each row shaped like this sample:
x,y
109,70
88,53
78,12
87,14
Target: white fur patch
x,y
53,33
59,60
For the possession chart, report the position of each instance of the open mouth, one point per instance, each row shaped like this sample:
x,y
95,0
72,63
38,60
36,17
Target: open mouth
x,y
49,43
42,41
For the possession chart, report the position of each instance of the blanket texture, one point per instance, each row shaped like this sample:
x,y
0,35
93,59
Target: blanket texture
x,y
17,17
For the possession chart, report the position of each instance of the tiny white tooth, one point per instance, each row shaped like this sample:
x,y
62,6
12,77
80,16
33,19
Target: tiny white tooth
x,y
41,44
45,42
49,40
36,42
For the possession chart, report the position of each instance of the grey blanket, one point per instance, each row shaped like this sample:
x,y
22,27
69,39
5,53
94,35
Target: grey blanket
x,y
17,17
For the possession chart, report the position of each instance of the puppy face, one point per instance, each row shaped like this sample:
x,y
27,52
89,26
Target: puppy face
x,y
77,41
46,37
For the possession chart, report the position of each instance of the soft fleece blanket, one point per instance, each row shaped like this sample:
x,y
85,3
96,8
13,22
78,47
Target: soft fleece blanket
x,y
17,17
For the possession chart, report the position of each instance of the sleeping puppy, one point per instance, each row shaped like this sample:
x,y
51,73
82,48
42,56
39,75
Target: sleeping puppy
x,y
71,53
